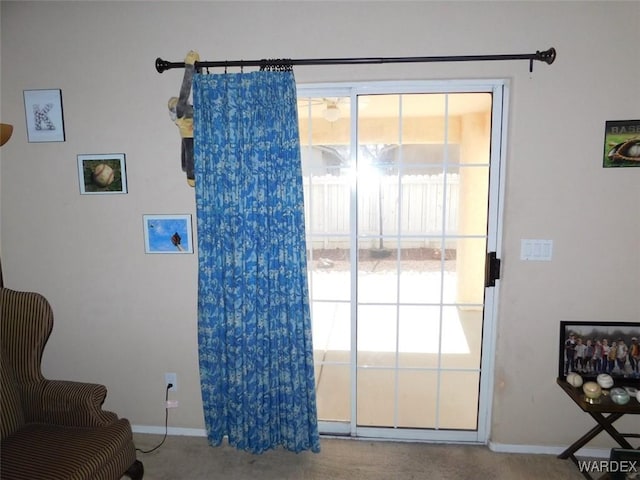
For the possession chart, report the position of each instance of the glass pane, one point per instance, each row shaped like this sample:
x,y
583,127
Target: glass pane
x,y
423,202
333,387
417,407
377,272
453,340
419,336
467,201
467,280
378,206
376,335
458,400
326,201
423,118
376,397
378,119
332,358
463,330
331,326
329,276
422,194
324,136
427,274
324,121
325,165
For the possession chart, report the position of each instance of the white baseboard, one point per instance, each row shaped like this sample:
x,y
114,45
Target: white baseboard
x,y
493,446
547,450
155,430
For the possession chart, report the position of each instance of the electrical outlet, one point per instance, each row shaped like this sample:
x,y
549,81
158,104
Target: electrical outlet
x,y
171,378
172,403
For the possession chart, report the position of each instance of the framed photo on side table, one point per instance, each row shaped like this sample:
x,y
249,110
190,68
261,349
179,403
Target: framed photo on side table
x,y
592,348
43,112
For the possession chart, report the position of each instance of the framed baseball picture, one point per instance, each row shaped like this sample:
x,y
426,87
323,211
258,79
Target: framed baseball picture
x,y
621,143
167,234
43,112
102,174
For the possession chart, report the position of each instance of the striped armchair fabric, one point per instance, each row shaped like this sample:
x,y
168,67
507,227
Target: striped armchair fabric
x,y
53,429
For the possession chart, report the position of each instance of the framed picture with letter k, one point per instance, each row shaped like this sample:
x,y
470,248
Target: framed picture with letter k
x,y
43,112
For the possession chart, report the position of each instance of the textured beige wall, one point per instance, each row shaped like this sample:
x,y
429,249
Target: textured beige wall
x,y
124,318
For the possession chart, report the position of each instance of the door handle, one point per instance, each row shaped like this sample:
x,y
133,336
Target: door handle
x,y
491,270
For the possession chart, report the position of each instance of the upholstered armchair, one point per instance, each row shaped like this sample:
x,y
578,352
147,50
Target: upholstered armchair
x,y
53,429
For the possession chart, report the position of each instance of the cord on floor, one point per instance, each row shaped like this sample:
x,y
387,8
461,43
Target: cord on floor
x,y
166,422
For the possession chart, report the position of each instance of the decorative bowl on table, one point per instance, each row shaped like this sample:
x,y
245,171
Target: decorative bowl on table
x,y
574,379
592,392
619,396
605,380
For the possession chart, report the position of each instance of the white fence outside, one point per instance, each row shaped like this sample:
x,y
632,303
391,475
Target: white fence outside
x,y
411,206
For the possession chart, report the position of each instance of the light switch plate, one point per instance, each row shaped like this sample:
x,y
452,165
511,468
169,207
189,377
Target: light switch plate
x,y
536,250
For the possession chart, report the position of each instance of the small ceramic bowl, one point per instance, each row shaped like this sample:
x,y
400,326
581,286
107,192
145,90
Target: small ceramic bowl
x,y
574,379
605,380
592,392
619,396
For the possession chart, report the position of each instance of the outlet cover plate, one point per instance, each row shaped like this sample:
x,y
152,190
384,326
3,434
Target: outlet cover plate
x,y
171,378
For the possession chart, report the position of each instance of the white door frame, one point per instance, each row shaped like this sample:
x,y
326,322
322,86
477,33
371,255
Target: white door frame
x,y
499,88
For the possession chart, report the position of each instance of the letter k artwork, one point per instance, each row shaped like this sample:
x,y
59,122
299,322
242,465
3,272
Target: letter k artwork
x,y
41,117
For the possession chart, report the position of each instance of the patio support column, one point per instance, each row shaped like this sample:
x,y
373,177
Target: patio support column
x,y
474,184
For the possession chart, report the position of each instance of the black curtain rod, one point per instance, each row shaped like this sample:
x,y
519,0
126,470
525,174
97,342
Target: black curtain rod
x,y
547,56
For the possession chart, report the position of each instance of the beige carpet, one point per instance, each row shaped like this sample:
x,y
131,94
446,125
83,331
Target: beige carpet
x,y
191,458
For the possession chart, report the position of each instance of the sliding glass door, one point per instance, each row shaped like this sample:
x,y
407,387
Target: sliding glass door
x,y
402,198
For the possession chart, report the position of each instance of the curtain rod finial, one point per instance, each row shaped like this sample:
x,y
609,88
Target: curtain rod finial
x,y
548,56
161,65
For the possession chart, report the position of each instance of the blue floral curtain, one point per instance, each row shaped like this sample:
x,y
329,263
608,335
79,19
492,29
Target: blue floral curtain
x,y
254,326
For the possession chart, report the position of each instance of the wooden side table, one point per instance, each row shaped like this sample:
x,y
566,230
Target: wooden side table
x,y
598,411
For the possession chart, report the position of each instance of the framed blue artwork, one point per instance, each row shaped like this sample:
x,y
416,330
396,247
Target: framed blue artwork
x,y
167,234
